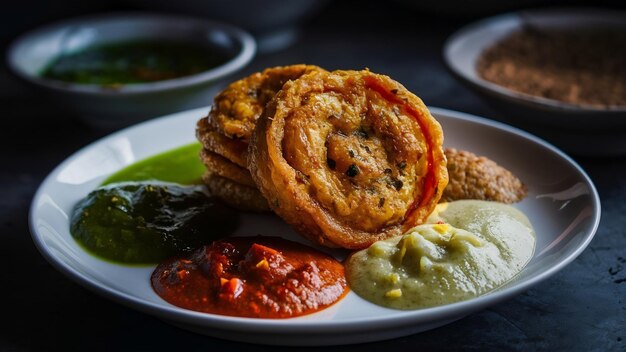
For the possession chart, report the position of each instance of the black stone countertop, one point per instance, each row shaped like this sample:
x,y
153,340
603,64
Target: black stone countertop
x,y
582,308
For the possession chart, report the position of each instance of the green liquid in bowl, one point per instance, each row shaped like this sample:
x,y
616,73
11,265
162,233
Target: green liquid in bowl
x,y
133,62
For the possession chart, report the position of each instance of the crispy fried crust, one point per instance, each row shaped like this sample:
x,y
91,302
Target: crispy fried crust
x,y
348,158
231,149
235,194
218,165
474,177
236,109
226,131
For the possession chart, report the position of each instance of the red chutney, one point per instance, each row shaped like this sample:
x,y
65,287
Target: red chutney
x,y
258,277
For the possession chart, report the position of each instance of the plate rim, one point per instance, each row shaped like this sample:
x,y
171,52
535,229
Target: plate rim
x,y
309,326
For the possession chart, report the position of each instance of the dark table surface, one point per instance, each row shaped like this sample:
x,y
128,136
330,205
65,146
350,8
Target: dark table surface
x,y
583,307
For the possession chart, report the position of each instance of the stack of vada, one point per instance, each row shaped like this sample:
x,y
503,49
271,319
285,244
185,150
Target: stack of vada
x,y
346,158
226,131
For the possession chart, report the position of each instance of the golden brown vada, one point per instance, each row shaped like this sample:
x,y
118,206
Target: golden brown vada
x,y
348,158
217,164
235,194
225,132
236,109
231,149
474,177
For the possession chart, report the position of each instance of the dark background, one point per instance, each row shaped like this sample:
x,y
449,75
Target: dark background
x,y
580,308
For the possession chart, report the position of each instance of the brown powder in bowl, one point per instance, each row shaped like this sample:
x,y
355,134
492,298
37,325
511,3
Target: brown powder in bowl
x,y
575,66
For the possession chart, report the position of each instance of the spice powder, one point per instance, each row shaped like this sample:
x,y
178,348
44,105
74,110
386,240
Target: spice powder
x,y
575,66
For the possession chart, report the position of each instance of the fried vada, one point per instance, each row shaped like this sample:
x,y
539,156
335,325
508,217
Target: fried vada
x,y
348,158
234,150
236,109
477,177
225,132
235,194
217,164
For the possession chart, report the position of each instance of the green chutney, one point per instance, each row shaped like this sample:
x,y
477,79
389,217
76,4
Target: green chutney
x,y
131,62
181,165
148,221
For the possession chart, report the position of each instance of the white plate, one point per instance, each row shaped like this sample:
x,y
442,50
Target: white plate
x,y
603,130
562,204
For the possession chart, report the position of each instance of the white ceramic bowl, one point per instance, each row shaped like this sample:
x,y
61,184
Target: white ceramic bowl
x,y
580,130
104,107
